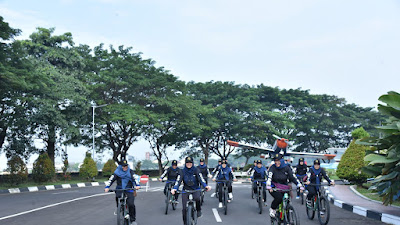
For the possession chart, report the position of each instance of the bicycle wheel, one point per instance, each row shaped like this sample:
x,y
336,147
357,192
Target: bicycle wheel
x,y
260,202
291,217
120,214
302,198
252,192
323,211
167,200
189,215
202,197
194,214
310,210
174,204
225,202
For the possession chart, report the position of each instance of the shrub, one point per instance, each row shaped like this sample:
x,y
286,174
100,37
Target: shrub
x,y
18,170
359,133
43,169
351,164
88,169
138,171
109,168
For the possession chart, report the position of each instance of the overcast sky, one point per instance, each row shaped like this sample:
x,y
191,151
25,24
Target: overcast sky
x,y
346,48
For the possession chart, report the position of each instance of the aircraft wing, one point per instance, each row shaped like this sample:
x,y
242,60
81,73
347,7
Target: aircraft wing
x,y
303,154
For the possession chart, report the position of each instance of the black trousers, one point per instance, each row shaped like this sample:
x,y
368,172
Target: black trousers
x,y
185,199
220,186
278,196
130,201
264,190
312,190
166,189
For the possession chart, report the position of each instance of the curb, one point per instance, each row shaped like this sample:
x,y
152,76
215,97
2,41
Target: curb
x,y
366,198
49,187
383,217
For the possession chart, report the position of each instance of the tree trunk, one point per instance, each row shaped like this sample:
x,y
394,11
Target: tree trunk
x,y
51,143
3,134
247,161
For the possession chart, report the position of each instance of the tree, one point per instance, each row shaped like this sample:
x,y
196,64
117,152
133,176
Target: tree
x,y
88,169
109,168
351,164
17,169
61,102
384,159
43,169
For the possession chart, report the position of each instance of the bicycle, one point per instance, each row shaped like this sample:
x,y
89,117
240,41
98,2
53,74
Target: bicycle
x,y
259,194
319,204
224,194
191,211
285,214
202,195
170,198
123,209
301,179
252,192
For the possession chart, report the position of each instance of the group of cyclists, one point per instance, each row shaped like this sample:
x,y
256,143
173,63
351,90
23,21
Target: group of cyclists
x,y
276,176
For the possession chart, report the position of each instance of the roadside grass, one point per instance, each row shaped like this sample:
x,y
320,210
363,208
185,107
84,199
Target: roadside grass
x,y
332,174
57,181
371,194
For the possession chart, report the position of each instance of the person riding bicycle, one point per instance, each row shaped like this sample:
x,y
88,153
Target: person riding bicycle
x,y
279,175
250,170
224,173
172,174
260,173
125,180
192,180
314,176
203,170
216,167
301,171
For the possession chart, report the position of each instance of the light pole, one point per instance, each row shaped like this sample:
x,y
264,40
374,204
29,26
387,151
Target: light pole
x,y
94,107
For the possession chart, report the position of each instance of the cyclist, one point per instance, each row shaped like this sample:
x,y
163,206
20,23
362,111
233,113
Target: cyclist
x,y
279,175
172,174
203,170
224,173
259,173
125,180
217,167
192,180
301,171
314,176
250,170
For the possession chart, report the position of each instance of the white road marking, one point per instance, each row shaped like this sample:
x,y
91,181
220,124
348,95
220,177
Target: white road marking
x,y
52,205
216,215
212,195
63,192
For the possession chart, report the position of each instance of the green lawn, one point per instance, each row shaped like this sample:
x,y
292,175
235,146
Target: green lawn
x,y
30,183
372,195
332,174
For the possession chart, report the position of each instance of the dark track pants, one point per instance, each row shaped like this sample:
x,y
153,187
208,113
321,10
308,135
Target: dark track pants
x,y
131,203
185,199
278,196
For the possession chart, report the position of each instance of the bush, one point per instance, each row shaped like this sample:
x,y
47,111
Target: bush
x,y
18,170
138,171
359,133
88,169
351,164
43,169
109,168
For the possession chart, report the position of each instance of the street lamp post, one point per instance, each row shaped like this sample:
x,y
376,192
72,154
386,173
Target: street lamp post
x,y
94,107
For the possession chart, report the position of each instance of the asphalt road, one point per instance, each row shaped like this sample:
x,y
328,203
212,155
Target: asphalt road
x,y
90,205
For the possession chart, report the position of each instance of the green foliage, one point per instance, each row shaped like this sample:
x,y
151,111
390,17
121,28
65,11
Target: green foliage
x,y
109,168
351,164
359,133
384,160
88,169
247,167
138,171
18,170
43,169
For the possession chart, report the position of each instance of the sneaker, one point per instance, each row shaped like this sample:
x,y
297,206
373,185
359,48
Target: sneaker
x,y
230,196
133,223
297,197
272,212
322,213
115,212
220,205
199,214
265,203
127,216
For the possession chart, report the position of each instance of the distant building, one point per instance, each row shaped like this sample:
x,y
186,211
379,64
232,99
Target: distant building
x,y
147,155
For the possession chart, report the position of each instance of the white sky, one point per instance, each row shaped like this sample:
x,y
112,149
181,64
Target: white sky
x,y
346,48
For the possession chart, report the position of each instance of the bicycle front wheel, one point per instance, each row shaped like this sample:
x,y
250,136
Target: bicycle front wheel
x,y
168,198
189,215
302,198
260,203
120,214
225,202
323,211
291,216
310,210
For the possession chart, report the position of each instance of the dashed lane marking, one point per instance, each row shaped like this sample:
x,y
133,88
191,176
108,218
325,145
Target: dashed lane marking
x,y
216,215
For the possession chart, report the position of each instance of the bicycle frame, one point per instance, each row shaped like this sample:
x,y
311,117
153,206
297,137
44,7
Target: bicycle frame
x,y
123,207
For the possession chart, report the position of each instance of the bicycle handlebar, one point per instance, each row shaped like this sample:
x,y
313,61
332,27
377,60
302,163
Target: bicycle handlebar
x,y
188,191
127,189
318,184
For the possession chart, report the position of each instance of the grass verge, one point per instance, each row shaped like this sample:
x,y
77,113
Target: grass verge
x,y
371,194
